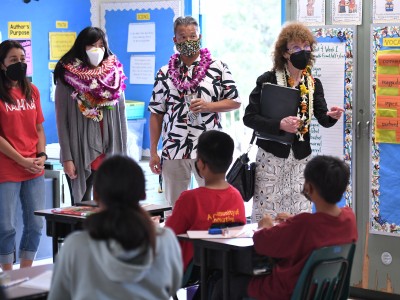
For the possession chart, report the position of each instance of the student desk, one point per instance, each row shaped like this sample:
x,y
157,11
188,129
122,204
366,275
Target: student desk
x,y
60,225
229,255
21,292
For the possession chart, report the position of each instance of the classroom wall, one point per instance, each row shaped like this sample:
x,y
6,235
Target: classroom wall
x,y
43,15
115,19
371,268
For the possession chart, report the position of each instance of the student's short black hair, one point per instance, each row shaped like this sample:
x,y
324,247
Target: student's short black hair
x,y
215,148
329,176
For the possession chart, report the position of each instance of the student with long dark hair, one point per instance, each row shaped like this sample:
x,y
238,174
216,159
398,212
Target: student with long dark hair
x,y
22,157
121,254
90,109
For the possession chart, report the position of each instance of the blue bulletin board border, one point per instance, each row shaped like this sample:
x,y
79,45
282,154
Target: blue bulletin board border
x,y
115,19
384,209
346,35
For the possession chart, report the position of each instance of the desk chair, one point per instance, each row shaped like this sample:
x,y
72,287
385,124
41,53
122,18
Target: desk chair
x,y
326,274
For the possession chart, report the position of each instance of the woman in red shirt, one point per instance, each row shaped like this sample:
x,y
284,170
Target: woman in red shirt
x,y
22,156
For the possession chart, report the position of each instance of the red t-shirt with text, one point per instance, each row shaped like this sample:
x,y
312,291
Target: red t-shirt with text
x,y
18,126
197,209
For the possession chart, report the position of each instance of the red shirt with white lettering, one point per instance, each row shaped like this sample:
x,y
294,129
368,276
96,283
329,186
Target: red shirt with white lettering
x,y
18,126
198,209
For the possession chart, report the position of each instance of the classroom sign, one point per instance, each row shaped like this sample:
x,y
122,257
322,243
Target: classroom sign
x,y
387,121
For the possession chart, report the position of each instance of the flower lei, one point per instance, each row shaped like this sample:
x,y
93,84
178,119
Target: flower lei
x,y
178,77
305,110
96,89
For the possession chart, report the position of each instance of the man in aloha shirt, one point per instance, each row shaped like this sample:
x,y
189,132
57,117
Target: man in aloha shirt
x,y
192,71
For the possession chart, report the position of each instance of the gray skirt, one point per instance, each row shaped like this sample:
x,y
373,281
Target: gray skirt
x,y
278,185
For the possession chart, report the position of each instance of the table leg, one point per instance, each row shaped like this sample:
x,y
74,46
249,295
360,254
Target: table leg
x,y
225,275
203,273
54,237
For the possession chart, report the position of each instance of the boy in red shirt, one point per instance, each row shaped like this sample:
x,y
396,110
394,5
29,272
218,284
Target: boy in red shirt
x,y
292,240
217,201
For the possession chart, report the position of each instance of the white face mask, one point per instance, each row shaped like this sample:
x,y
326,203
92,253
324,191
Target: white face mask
x,y
95,55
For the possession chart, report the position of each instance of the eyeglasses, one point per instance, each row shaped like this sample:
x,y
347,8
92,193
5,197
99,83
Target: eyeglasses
x,y
298,49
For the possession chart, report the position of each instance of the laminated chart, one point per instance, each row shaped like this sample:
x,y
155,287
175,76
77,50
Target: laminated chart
x,y
387,121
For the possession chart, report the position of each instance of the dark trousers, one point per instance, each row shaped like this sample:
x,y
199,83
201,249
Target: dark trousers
x,y
237,287
89,186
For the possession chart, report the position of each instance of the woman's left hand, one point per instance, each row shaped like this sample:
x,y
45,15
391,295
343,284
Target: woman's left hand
x,y
335,112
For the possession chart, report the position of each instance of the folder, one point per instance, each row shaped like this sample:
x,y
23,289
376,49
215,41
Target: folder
x,y
278,102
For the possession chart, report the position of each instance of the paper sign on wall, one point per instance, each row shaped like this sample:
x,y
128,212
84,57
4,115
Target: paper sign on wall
x,y
329,69
142,69
19,30
142,37
27,44
60,43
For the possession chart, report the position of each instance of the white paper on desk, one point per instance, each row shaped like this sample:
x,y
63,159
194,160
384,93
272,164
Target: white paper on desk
x,y
233,232
41,282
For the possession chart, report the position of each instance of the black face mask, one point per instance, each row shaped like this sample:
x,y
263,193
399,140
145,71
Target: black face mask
x,y
300,59
305,194
17,71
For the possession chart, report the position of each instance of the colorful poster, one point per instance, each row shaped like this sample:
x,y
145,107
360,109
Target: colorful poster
x,y
27,44
387,128
385,102
346,12
385,11
311,12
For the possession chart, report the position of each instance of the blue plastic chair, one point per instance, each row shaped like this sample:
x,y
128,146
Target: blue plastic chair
x,y
326,274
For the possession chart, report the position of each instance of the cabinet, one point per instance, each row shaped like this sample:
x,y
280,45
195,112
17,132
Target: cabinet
x,y
61,195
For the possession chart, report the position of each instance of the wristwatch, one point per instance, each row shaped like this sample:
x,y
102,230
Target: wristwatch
x,y
42,154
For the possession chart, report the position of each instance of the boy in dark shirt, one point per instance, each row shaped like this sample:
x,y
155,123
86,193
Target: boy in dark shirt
x,y
292,240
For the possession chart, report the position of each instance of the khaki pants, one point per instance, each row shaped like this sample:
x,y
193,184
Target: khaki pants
x,y
177,175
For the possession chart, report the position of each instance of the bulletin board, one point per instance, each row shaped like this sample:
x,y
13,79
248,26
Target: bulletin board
x,y
123,22
75,13
385,158
334,66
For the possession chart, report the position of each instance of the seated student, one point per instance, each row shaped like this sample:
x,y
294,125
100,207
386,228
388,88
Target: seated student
x,y
120,254
292,241
217,201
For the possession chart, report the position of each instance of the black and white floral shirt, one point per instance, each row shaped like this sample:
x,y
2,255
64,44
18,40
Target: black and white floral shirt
x,y
179,136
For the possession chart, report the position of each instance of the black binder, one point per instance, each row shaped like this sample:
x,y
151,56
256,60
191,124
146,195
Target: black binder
x,y
278,102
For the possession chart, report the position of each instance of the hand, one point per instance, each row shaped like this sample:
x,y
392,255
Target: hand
x,y
69,169
154,164
282,217
335,112
266,222
41,161
199,105
32,165
156,220
290,124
